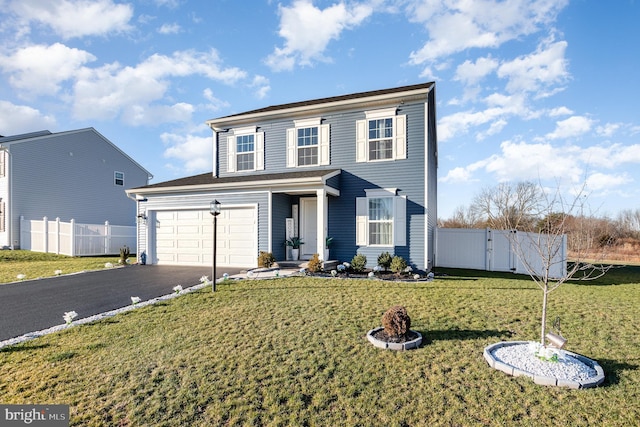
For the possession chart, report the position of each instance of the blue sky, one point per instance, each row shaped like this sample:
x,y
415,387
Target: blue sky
x,y
543,90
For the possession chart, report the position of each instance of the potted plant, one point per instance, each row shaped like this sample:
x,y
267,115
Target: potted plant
x,y
295,243
327,243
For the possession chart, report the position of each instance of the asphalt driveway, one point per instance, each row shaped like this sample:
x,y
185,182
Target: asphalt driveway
x,y
40,304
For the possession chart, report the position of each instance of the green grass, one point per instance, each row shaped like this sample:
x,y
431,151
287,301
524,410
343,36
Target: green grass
x,y
293,352
36,265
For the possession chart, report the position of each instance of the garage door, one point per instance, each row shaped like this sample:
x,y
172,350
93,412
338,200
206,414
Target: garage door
x,y
185,237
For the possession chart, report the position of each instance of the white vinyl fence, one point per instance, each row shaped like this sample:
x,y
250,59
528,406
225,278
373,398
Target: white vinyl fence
x,y
495,250
70,238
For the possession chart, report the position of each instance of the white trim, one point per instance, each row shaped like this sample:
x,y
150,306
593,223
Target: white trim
x,y
381,192
244,130
381,114
307,123
426,191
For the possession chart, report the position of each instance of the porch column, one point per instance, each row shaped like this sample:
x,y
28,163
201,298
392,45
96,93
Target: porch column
x,y
322,222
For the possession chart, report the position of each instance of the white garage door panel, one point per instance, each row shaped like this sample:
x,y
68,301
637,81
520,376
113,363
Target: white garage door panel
x,y
185,237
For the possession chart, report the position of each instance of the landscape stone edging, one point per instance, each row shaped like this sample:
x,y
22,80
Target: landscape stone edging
x,y
540,379
415,343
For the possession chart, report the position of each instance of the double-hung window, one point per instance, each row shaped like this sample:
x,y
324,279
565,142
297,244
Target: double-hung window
x,y
381,136
381,218
308,143
118,178
245,150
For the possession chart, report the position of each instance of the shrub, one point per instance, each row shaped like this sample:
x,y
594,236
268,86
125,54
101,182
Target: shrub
x,y
315,264
358,263
124,254
266,259
396,321
398,264
384,260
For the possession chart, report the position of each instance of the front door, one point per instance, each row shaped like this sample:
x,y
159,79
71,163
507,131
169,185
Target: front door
x,y
309,227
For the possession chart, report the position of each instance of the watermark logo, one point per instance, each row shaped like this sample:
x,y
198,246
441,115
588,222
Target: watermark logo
x,y
34,415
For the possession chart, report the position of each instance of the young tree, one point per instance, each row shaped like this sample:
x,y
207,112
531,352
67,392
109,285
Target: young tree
x,y
528,207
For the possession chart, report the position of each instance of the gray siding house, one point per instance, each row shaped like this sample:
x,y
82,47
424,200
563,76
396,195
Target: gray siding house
x,y
358,168
77,174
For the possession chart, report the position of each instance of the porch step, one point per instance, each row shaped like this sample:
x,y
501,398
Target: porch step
x,y
326,265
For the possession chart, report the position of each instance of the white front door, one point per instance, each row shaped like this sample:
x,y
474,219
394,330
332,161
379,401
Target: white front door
x,y
309,227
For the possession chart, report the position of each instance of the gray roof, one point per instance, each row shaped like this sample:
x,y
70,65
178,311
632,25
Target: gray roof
x,y
209,179
335,99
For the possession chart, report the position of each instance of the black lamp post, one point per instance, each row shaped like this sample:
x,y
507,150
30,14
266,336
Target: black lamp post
x,y
214,209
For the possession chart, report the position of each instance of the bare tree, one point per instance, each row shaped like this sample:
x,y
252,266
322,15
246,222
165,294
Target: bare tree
x,y
550,214
510,206
462,218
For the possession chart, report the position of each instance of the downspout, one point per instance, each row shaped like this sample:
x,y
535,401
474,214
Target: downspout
x,y
10,195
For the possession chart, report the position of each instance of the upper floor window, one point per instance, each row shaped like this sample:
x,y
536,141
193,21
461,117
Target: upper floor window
x,y
381,136
307,146
118,178
308,143
245,150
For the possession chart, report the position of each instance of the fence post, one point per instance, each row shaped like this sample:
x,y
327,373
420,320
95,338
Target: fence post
x,y
57,235
72,249
45,233
107,237
22,232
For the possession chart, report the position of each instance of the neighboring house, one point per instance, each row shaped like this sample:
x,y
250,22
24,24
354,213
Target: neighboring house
x,y
359,168
78,175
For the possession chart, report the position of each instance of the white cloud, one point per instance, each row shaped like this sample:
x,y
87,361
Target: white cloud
x,y
40,69
472,72
76,18
261,83
560,111
608,129
572,127
534,72
17,119
169,29
606,182
194,152
455,26
113,90
307,31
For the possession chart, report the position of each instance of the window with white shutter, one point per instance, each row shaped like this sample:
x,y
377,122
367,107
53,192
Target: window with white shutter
x,y
381,219
308,143
381,136
245,150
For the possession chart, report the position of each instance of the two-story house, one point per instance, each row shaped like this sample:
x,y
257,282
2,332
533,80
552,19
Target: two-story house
x,y
77,174
358,168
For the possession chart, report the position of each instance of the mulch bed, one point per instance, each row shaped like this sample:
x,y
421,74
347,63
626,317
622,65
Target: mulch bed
x,y
383,336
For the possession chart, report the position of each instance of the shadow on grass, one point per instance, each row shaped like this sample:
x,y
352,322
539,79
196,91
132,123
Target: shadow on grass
x,y
463,334
617,275
612,370
25,347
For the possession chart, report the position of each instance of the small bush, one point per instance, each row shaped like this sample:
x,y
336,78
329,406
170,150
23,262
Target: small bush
x,y
384,260
396,321
398,264
315,265
358,263
124,255
266,259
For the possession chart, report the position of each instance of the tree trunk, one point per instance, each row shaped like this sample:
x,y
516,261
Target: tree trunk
x,y
544,313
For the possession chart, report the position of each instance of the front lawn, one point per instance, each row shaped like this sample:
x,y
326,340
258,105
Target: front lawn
x,y
293,351
34,265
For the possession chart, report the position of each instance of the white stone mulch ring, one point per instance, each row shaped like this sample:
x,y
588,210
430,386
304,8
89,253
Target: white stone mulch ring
x,y
573,371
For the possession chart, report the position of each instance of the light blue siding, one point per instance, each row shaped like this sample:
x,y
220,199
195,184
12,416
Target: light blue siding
x,y
407,175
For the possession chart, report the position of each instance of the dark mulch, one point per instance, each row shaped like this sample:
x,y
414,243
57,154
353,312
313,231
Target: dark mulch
x,y
383,336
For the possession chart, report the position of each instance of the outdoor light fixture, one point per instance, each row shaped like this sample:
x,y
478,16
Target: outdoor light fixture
x,y
214,209
558,341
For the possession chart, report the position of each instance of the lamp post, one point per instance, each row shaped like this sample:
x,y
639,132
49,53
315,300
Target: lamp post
x,y
214,209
